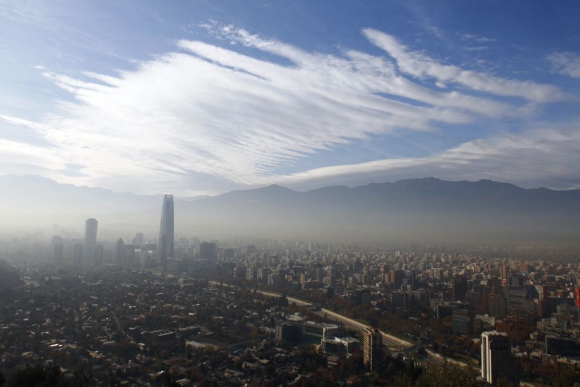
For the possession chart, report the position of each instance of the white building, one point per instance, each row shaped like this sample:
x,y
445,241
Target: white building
x,y
496,356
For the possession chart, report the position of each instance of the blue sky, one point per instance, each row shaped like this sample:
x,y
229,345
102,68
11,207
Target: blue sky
x,y
203,97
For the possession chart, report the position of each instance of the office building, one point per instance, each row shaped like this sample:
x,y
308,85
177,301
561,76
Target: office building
x,y
139,240
90,239
207,250
496,356
373,348
458,288
58,255
129,256
462,322
497,305
505,272
120,251
166,231
396,278
98,254
78,254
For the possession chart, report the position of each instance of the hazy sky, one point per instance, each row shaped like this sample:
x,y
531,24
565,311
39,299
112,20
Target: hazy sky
x,y
202,97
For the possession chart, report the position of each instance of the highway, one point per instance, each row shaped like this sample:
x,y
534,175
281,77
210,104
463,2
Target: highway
x,y
392,342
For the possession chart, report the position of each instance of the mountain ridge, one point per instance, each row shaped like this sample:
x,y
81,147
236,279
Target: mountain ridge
x,y
427,208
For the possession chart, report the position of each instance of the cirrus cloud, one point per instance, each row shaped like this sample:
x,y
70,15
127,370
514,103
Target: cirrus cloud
x,y
542,156
206,118
566,63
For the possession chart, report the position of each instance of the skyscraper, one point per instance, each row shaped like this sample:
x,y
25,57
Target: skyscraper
x,y
78,255
120,251
458,288
98,254
496,356
139,240
373,348
166,233
90,239
207,250
58,256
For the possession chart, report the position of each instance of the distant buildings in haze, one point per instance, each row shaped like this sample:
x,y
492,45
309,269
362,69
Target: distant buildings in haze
x,y
78,254
98,254
207,250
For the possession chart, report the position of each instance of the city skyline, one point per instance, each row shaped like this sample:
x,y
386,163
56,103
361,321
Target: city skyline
x,y
337,303
352,193
204,98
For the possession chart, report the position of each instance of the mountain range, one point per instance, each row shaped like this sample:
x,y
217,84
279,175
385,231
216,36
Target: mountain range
x,y
415,210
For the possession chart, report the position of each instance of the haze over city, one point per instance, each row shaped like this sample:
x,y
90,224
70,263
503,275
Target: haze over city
x,y
299,193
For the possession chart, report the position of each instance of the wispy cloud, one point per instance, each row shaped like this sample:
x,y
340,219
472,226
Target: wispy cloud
x,y
17,157
421,66
566,63
206,116
477,48
476,38
542,156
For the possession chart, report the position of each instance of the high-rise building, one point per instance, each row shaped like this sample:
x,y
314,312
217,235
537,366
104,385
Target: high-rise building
x,y
120,251
130,257
462,322
396,278
139,240
78,254
494,284
458,288
497,305
373,348
98,253
54,249
504,271
90,239
166,231
207,250
58,256
496,356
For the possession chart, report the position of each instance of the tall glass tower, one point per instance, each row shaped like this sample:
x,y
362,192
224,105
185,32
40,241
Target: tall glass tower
x,y
166,234
90,239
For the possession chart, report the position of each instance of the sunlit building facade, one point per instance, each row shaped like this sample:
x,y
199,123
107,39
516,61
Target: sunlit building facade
x,y
496,356
166,231
373,348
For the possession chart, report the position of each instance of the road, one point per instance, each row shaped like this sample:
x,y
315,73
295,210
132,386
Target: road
x,y
392,342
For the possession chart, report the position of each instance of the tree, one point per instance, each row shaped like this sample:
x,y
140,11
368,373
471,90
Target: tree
x,y
83,375
49,376
37,376
168,381
503,381
449,375
565,377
